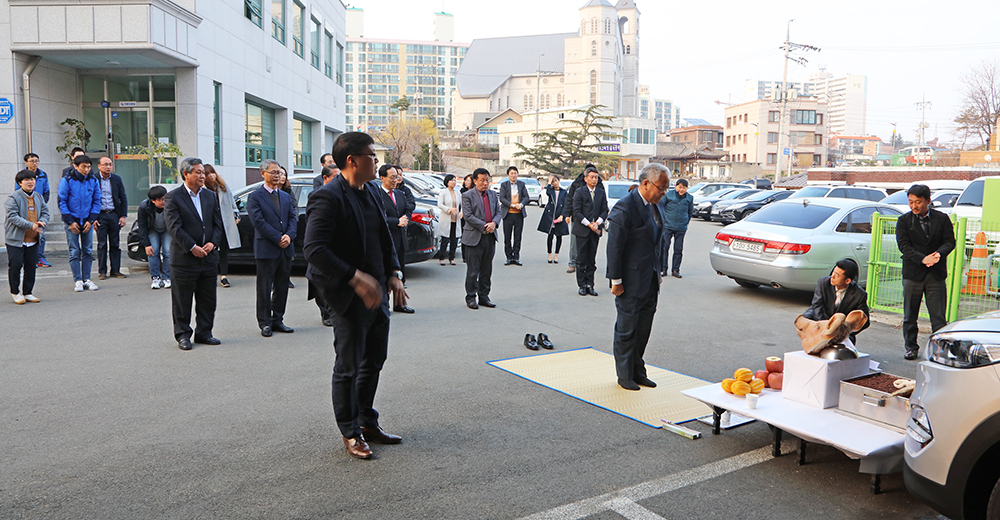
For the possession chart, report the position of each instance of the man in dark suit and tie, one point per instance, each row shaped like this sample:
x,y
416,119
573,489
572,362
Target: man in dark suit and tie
x,y
325,161
114,210
590,209
396,217
513,198
353,262
195,225
634,269
925,237
274,223
839,292
481,209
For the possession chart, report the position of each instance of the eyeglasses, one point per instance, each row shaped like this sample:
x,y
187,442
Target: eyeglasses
x,y
662,189
273,172
373,156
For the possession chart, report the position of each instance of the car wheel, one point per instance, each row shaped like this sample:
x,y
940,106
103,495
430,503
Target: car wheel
x,y
746,283
707,218
745,214
993,508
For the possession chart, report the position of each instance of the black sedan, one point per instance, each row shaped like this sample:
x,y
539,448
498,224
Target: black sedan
x,y
421,231
703,207
729,211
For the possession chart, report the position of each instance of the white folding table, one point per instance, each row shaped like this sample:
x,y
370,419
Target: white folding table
x,y
879,449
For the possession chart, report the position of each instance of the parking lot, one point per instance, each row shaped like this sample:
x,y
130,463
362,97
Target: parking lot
x,y
105,418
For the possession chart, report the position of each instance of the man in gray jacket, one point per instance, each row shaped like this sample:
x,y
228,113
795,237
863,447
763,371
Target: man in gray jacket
x,y
27,216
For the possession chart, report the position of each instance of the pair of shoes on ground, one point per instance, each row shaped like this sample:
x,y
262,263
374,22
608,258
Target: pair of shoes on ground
x,y
910,355
80,286
513,262
102,276
542,341
159,283
43,263
185,344
268,330
21,299
636,382
358,447
405,309
587,289
485,302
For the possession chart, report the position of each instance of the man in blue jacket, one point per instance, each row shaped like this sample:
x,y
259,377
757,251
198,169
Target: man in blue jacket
x,y
678,205
41,186
273,219
80,205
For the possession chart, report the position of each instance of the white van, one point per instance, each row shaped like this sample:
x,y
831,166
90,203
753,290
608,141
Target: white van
x,y
970,204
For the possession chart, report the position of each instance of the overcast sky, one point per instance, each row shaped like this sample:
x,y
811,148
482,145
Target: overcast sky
x,y
696,53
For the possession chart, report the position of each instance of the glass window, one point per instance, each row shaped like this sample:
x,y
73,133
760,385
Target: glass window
x,y
217,122
259,134
793,215
812,191
302,143
163,88
328,55
128,88
773,116
840,193
252,10
314,43
278,20
973,194
299,29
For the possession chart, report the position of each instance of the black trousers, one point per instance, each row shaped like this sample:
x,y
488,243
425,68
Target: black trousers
x,y
586,259
273,274
224,256
632,328
513,224
479,268
360,341
197,282
552,233
108,243
448,244
18,258
934,292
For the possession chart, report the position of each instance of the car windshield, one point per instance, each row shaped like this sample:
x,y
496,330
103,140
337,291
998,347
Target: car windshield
x,y
973,195
900,197
812,191
733,194
744,194
617,191
792,215
758,196
528,180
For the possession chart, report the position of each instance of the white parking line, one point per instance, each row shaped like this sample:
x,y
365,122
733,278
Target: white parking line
x,y
623,497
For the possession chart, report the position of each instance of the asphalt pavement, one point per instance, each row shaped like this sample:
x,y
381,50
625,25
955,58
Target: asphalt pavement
x,y
103,417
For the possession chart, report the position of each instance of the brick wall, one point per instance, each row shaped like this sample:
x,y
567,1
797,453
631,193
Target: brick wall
x,y
897,175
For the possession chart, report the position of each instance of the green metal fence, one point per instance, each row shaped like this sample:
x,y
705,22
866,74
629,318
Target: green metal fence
x,y
972,276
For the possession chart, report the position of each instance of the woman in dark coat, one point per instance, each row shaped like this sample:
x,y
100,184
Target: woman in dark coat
x,y
553,221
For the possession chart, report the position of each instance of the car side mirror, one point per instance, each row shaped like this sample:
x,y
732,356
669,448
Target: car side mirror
x,y
936,203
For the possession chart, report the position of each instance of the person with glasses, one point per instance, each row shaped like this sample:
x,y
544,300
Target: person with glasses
x,y
353,262
678,206
634,270
41,186
272,216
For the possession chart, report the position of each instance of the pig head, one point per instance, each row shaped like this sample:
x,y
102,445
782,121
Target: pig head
x,y
817,335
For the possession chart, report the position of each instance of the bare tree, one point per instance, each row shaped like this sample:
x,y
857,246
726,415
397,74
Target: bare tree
x,y
981,103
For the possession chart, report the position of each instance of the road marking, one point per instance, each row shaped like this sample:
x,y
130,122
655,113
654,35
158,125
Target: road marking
x,y
61,273
639,492
631,510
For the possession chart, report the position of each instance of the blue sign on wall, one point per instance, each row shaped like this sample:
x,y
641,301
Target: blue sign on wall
x,y
787,151
6,110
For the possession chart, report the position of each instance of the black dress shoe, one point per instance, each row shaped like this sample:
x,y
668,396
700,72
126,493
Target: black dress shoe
x,y
487,303
265,331
208,341
628,385
472,304
910,354
543,341
644,381
676,274
582,291
328,322
508,262
377,434
404,309
550,261
291,285
184,344
281,327
529,341
591,291
516,262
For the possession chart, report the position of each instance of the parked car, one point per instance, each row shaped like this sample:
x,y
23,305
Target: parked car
x,y
421,231
760,184
841,192
952,444
703,207
792,243
941,200
706,189
533,187
729,211
970,203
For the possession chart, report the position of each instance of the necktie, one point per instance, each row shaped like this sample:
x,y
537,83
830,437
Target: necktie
x,y
657,221
591,194
277,202
393,197
926,225
486,208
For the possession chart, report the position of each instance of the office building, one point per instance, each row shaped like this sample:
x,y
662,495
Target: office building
x,y
751,134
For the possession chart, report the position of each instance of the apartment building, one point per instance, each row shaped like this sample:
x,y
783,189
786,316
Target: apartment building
x,y
751,134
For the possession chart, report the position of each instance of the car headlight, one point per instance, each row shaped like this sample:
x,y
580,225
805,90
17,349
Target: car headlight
x,y
704,205
964,350
738,206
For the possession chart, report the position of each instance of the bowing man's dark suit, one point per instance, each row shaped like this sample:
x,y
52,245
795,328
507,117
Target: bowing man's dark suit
x,y
634,258
393,212
346,232
592,210
190,275
479,245
513,223
920,281
824,303
274,264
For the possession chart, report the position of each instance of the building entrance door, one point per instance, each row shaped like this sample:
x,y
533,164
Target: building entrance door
x,y
129,134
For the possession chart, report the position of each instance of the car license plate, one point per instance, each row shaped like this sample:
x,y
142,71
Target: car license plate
x,y
751,247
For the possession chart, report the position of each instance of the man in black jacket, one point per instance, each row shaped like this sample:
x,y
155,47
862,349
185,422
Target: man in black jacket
x,y
925,237
577,183
114,209
841,293
590,210
396,216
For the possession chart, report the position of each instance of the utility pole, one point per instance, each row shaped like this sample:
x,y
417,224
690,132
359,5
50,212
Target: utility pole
x,y
923,104
893,141
538,98
783,94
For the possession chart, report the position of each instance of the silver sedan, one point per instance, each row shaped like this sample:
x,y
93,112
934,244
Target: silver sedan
x,y
794,242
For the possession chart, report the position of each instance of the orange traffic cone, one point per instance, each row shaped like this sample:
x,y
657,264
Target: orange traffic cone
x,y
976,276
